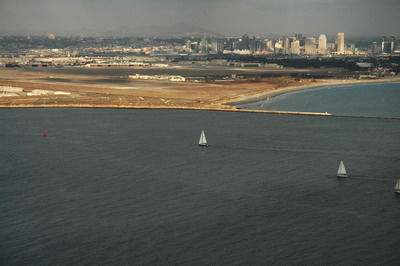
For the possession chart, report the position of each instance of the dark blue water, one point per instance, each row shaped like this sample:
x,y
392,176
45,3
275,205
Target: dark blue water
x,y
117,187
377,99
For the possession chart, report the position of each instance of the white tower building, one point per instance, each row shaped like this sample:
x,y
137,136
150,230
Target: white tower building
x,y
340,43
295,47
322,44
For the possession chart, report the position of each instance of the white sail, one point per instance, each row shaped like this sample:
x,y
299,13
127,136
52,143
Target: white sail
x,y
202,140
341,171
397,187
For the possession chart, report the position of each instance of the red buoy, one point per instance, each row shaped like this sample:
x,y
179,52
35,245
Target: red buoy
x,y
44,133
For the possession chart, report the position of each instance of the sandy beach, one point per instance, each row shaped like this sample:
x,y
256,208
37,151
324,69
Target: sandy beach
x,y
317,84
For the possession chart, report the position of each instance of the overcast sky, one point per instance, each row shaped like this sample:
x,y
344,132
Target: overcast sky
x,y
354,17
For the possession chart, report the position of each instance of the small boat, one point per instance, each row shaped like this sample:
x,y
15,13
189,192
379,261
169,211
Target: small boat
x,y
44,133
397,187
341,171
203,140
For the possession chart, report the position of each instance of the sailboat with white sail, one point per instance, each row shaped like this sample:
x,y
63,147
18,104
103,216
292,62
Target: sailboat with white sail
x,y
342,170
397,187
203,140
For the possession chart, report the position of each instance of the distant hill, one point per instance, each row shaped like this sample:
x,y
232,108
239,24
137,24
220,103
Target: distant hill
x,y
158,31
83,32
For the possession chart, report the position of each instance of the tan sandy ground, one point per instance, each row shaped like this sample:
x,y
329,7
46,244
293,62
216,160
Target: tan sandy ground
x,y
148,94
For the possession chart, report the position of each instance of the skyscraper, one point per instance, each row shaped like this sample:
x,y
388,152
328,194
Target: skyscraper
x,y
299,36
245,42
195,47
188,44
322,44
204,45
253,45
310,46
216,46
375,48
285,45
388,46
393,40
295,47
340,43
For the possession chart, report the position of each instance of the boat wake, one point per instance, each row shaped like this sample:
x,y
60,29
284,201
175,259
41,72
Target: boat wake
x,y
277,149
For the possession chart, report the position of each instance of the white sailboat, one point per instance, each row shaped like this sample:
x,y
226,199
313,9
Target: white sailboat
x,y
203,140
341,171
397,187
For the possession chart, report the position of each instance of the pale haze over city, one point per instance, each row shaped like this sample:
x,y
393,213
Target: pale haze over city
x,y
199,132
355,17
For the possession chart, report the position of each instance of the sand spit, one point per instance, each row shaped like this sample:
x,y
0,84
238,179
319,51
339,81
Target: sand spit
x,y
214,109
103,92
318,84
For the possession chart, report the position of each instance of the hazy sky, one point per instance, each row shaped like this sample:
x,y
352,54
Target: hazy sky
x,y
354,17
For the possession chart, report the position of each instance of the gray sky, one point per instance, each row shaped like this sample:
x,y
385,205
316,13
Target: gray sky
x,y
354,17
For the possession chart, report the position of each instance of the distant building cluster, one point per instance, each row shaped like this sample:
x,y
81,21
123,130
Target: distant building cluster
x,y
295,45
135,52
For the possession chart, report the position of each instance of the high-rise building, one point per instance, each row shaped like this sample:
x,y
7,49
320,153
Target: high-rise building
x,y
298,36
351,48
375,48
295,47
388,46
189,44
195,47
393,40
285,45
263,45
253,45
270,45
340,43
204,45
216,46
310,46
285,42
245,42
322,44
236,45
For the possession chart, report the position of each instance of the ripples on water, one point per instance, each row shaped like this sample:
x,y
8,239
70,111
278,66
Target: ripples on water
x,y
133,187
375,99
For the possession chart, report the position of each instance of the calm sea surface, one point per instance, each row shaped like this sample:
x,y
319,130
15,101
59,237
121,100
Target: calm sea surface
x,y
118,187
379,99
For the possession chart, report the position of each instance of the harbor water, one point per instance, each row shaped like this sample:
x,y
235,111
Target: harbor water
x,y
132,187
374,99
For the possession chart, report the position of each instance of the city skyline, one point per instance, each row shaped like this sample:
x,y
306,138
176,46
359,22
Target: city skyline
x,y
310,17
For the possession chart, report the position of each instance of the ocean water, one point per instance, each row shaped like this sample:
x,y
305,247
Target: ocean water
x,y
131,187
374,99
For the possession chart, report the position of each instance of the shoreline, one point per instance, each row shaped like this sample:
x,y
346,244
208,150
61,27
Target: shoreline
x,y
229,104
187,108
319,84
